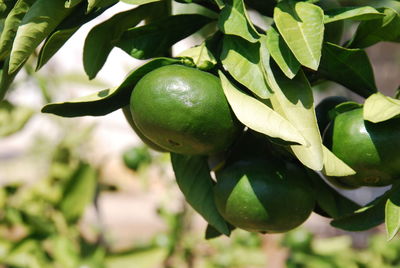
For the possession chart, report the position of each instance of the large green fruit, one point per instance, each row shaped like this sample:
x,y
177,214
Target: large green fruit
x,y
371,149
263,195
184,110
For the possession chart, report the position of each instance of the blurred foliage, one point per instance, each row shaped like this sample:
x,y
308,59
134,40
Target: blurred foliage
x,y
309,251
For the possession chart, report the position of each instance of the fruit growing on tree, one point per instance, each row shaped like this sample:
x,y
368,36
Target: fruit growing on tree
x,y
136,157
323,108
184,110
371,149
263,195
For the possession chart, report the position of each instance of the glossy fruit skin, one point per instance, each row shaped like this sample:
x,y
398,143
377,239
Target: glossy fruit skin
x,y
371,149
262,195
184,110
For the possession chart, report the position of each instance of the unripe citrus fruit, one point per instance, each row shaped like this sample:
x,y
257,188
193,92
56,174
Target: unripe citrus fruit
x,y
263,195
371,149
184,110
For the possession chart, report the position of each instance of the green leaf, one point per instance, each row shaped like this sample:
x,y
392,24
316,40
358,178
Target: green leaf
x,y
348,67
92,4
334,166
139,2
155,39
301,25
242,60
386,29
79,192
103,37
13,118
64,251
379,108
233,20
392,214
108,100
368,216
147,258
281,53
11,24
258,116
40,20
293,99
353,13
7,78
201,56
329,200
63,32
194,180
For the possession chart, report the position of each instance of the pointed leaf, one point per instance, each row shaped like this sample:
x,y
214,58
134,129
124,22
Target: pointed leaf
x,y
40,20
379,108
392,214
386,29
293,99
281,53
258,116
194,180
366,217
334,166
11,24
71,3
348,67
233,20
79,192
63,32
108,100
242,60
103,37
353,13
329,200
155,39
301,25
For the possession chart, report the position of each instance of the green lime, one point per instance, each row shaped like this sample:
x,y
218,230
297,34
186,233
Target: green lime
x,y
371,149
262,195
184,110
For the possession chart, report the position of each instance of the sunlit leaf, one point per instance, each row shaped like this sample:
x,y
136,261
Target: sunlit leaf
x,y
301,25
293,99
194,180
258,116
353,13
334,166
385,29
201,56
233,20
11,24
139,2
92,4
242,60
40,20
281,53
378,108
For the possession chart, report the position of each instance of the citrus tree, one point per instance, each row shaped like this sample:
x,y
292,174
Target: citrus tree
x,y
236,112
